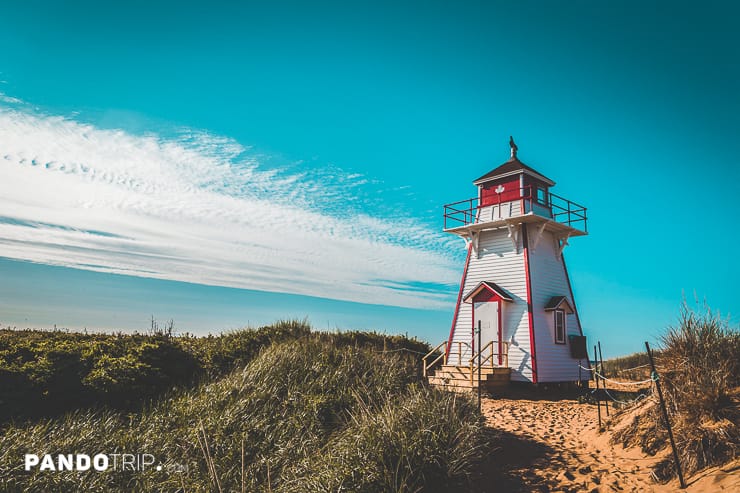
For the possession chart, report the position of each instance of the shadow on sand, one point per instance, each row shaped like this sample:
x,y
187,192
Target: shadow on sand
x,y
510,467
542,392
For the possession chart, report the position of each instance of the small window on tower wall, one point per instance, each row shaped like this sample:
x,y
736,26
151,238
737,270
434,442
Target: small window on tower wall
x,y
560,326
541,196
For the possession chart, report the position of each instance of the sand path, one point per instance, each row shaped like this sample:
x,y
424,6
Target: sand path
x,y
555,445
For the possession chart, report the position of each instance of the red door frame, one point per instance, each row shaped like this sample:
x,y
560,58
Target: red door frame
x,y
483,297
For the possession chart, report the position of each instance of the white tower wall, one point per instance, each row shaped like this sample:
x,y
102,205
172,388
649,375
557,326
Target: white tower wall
x,y
498,261
549,278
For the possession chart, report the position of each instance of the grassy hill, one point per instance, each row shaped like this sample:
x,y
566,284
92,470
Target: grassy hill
x,y
275,409
46,373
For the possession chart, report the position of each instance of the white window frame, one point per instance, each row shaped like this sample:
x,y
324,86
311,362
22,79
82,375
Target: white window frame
x,y
560,312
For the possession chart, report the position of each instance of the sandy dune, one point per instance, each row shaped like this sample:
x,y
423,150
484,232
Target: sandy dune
x,y
555,445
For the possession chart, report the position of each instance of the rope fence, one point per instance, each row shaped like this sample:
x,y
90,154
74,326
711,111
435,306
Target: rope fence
x,y
634,368
400,349
604,391
602,377
626,403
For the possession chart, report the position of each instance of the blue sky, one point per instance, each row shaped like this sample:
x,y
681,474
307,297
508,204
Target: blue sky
x,y
224,164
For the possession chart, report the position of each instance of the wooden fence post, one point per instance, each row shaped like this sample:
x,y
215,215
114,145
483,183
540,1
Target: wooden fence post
x,y
479,367
665,415
603,373
596,377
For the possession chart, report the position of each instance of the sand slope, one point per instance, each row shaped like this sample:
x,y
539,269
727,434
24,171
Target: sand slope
x,y
554,445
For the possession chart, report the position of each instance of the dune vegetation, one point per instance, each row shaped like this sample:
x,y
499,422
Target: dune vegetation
x,y
280,408
286,409
699,369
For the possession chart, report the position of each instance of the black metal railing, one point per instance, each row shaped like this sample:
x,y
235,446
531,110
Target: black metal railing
x,y
547,204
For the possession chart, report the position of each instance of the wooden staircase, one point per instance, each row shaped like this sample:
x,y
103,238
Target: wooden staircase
x,y
457,378
494,377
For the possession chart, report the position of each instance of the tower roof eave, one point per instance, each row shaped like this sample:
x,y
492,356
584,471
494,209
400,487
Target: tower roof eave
x,y
557,303
512,167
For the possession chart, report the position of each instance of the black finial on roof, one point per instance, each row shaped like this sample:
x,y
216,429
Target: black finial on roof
x,y
511,167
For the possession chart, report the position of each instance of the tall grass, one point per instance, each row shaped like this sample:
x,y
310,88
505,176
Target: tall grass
x,y
701,364
699,369
312,414
632,367
423,440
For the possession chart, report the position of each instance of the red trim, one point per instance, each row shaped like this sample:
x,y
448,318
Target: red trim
x,y
459,300
485,288
529,304
500,332
485,295
521,187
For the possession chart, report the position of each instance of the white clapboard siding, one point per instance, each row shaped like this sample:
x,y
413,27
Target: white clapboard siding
x,y
549,278
500,262
500,211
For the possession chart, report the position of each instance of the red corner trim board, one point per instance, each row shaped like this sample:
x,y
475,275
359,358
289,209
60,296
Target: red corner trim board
x,y
459,300
525,240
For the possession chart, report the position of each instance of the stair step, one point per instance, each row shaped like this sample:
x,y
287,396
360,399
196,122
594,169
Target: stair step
x,y
464,372
459,390
458,378
466,368
452,382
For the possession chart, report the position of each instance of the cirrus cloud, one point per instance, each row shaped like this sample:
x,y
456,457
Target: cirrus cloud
x,y
201,208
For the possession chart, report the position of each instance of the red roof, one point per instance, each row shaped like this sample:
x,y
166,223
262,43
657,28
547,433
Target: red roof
x,y
512,166
491,287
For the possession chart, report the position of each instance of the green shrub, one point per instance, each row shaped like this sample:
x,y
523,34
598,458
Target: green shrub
x,y
45,373
116,375
219,354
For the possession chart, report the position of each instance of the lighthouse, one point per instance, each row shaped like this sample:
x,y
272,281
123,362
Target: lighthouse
x,y
515,288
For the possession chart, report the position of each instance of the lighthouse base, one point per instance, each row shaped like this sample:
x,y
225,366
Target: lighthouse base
x,y
462,379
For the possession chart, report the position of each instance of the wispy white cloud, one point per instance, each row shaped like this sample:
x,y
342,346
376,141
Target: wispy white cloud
x,y
202,208
8,99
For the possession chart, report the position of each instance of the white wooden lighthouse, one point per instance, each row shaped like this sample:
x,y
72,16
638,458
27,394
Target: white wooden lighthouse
x,y
515,284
